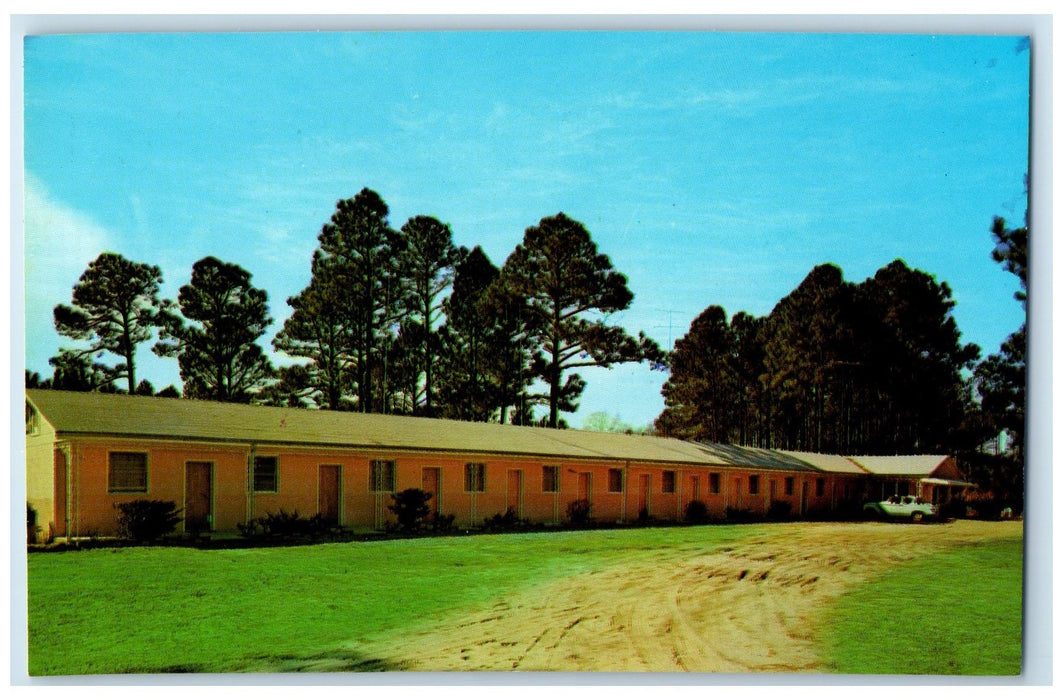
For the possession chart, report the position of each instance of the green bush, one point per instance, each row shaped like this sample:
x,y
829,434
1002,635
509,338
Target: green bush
x,y
145,520
779,510
411,508
579,512
738,515
504,521
285,525
696,512
32,528
956,508
442,523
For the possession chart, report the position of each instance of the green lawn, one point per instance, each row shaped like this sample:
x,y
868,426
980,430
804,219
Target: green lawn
x,y
152,610
958,612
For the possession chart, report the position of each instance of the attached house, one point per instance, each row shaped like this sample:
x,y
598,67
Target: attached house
x,y
934,478
225,464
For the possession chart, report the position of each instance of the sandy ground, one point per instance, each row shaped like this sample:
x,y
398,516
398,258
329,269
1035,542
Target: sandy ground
x,y
747,608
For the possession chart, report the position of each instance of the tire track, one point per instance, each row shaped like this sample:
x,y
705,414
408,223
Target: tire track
x,y
751,607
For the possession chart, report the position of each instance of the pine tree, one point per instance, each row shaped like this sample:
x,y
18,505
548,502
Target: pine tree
x,y
214,338
115,308
427,267
569,287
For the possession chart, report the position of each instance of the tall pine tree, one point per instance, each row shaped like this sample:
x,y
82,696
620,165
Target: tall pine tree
x,y
569,287
115,307
215,337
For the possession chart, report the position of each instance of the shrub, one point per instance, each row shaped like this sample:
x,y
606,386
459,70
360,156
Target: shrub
x,y
988,507
443,523
956,508
32,528
696,512
738,515
144,520
503,521
410,508
779,510
579,512
285,525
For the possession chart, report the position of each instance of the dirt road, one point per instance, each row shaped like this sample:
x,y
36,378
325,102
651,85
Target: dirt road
x,y
747,608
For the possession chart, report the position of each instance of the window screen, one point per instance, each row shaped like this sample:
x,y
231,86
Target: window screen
x,y
382,476
128,472
266,475
476,477
551,482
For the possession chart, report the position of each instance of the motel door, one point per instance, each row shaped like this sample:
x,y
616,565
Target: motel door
x,y
736,501
644,494
514,491
430,484
198,497
804,497
583,486
328,492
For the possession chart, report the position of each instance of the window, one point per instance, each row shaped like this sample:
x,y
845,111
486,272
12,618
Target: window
x,y
668,482
754,484
266,475
714,483
616,481
382,476
789,486
820,487
128,472
475,477
551,482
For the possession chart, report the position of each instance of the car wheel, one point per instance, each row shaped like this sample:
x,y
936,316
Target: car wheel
x,y
917,517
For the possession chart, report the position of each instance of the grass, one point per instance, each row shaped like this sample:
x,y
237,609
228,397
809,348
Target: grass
x,y
958,612
156,610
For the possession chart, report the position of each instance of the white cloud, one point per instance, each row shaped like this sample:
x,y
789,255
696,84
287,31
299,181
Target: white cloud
x,y
60,242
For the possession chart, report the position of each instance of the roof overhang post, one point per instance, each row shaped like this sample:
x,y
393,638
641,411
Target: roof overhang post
x,y
250,483
65,449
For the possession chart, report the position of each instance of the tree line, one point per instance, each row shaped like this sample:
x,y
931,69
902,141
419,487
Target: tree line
x,y
403,321
869,368
392,321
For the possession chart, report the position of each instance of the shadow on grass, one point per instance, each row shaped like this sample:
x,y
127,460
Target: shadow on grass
x,y
336,661
332,661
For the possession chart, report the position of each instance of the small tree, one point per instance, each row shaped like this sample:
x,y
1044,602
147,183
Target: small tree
x,y
410,508
144,520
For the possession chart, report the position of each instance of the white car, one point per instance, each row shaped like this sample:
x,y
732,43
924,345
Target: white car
x,y
908,507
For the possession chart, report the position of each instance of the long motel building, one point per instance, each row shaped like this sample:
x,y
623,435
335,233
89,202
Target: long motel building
x,y
225,464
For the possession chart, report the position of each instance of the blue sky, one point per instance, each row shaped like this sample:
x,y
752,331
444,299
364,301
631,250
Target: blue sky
x,y
713,168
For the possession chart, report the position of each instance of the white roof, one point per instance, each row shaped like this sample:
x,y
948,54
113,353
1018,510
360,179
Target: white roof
x,y
901,465
835,464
